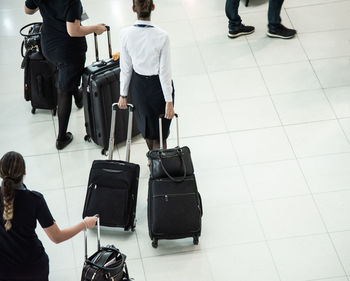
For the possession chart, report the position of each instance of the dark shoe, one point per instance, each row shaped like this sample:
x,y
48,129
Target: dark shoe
x,y
60,144
280,31
78,98
242,30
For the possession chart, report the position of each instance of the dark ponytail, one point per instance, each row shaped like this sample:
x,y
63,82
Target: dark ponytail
x,y
12,170
143,8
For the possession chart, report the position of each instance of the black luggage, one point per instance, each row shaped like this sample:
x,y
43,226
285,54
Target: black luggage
x,y
174,203
107,264
101,88
113,184
39,74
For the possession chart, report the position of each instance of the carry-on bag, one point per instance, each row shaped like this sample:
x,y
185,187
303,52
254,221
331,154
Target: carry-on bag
x,y
174,203
173,162
113,184
39,74
101,88
107,264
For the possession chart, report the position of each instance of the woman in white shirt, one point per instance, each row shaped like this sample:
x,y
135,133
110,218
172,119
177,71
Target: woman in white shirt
x,y
146,74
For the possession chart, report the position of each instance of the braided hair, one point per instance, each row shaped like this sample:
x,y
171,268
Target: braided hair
x,y
143,8
12,170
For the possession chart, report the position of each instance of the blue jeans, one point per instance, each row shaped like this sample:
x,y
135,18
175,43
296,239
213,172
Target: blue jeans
x,y
231,9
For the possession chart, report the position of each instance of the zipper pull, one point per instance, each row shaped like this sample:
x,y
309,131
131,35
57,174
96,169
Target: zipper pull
x,y
166,198
95,187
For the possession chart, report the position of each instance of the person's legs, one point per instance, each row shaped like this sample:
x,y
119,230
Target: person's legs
x,y
274,13
149,143
64,105
79,69
275,28
231,10
235,26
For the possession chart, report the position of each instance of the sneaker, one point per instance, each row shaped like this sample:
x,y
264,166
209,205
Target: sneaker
x,y
242,30
60,144
280,31
78,98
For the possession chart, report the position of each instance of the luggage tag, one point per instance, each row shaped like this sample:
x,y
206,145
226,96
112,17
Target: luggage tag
x,y
84,16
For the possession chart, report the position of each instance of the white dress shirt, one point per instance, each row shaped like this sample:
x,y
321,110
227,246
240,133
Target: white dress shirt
x,y
147,51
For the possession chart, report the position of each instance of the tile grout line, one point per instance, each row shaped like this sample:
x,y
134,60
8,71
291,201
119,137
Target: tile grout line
x,y
65,194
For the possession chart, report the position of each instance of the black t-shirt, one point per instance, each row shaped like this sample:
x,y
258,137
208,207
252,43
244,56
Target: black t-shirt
x,y
55,40
21,252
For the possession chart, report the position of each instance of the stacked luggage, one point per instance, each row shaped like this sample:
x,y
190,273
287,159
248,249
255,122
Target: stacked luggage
x,y
39,74
113,184
174,203
101,88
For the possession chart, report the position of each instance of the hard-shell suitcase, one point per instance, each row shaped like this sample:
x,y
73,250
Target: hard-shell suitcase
x,y
113,184
101,88
174,205
39,74
106,264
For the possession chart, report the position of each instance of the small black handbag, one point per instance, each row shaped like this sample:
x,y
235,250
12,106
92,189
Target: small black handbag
x,y
107,264
174,163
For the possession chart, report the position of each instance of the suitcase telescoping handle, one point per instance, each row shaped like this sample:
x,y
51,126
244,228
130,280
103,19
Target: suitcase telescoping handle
x,y
112,132
161,131
98,237
109,43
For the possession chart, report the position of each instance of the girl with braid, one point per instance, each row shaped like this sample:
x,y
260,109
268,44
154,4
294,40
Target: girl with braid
x,y
22,255
146,72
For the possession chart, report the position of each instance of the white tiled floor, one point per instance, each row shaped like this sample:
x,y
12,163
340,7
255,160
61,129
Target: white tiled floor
x,y
268,124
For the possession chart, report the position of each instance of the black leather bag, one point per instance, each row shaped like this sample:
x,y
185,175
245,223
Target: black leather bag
x,y
107,264
174,163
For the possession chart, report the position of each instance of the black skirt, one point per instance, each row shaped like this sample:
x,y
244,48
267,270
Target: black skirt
x,y
148,99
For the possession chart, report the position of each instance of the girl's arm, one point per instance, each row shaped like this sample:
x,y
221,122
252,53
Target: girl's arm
x,y
126,69
57,235
74,29
165,78
30,11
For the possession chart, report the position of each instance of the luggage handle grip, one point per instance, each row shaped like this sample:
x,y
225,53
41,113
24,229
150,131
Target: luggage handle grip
x,y
112,131
29,35
109,43
161,131
98,237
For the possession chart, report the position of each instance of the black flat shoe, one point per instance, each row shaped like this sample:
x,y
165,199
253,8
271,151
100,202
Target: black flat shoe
x,y
60,144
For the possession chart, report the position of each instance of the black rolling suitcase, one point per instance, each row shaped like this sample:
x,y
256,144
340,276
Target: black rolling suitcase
x,y
39,74
113,185
174,203
107,264
101,88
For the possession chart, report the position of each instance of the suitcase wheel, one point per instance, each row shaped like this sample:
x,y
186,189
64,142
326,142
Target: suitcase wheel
x,y
104,152
87,138
54,111
195,240
155,243
33,110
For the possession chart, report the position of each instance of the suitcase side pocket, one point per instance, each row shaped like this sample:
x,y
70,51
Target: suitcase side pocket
x,y
115,212
175,214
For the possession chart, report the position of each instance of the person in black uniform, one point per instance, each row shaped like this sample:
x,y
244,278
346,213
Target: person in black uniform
x,y
63,43
146,69
22,255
